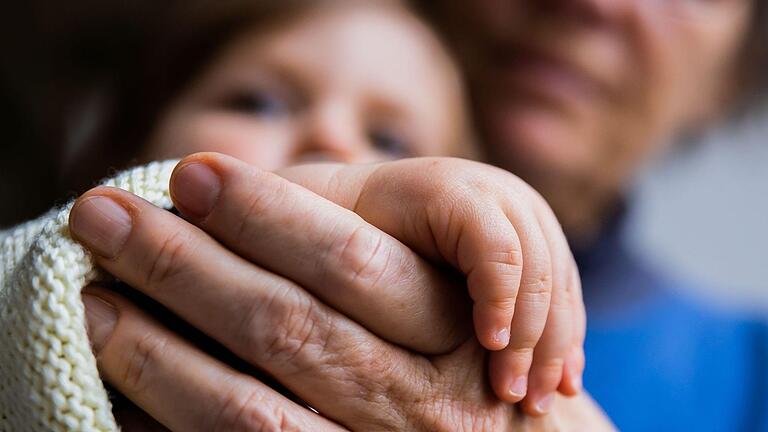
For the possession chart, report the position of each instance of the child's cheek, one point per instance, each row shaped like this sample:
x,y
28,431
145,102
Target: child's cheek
x,y
268,145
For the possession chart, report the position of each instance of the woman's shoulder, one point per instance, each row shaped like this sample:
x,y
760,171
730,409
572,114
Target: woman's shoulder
x,y
697,363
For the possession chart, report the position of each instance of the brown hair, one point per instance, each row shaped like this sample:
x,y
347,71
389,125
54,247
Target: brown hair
x,y
169,50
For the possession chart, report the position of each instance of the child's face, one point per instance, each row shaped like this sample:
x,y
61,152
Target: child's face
x,y
352,84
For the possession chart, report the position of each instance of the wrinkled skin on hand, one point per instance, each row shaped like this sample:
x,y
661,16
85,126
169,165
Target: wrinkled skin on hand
x,y
203,270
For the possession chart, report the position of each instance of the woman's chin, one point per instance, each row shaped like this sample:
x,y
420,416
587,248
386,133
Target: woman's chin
x,y
538,140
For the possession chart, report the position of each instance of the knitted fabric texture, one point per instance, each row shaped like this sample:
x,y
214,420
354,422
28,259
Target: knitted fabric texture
x,y
48,375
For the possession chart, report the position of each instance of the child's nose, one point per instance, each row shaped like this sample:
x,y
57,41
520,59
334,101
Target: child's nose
x,y
330,133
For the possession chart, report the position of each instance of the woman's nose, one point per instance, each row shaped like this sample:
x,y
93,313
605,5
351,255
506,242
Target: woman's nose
x,y
330,134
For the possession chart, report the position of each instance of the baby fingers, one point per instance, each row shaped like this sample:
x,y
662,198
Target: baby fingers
x,y
557,360
510,281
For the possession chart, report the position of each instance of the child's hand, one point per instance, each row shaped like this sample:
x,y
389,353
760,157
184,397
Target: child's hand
x,y
503,236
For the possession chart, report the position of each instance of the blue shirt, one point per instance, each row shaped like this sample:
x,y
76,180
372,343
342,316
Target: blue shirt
x,y
660,361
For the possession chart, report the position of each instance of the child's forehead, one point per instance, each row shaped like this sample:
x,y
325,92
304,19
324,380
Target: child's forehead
x,y
375,47
356,35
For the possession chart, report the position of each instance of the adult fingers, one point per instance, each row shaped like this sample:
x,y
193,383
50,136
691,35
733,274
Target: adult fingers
x,y
266,320
131,418
178,385
327,249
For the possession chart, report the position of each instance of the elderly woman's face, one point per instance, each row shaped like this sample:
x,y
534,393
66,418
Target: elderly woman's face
x,y
584,90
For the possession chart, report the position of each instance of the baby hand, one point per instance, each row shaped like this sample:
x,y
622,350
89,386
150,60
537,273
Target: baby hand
x,y
505,239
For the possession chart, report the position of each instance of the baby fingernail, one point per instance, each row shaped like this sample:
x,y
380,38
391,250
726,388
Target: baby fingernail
x,y
501,337
519,387
101,224
543,404
101,318
195,188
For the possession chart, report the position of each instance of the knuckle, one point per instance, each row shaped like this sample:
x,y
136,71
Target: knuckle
x,y
547,373
534,305
561,299
376,382
168,261
289,341
363,256
501,269
298,332
504,305
523,350
145,354
539,284
372,390
550,365
302,340
507,261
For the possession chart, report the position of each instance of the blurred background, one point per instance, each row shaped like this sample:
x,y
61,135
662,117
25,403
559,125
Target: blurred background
x,y
702,214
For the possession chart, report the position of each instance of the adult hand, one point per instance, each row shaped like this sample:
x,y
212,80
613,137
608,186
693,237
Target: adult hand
x,y
504,239
343,369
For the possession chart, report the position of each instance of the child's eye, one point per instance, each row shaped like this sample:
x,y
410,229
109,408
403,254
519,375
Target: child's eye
x,y
389,142
262,103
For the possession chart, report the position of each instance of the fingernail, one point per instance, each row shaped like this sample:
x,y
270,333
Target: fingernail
x,y
519,387
501,337
101,224
543,404
101,318
195,188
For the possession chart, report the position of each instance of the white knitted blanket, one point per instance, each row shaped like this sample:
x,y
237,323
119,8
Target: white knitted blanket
x,y
48,375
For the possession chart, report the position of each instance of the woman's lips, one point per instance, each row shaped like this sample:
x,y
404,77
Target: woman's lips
x,y
537,78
